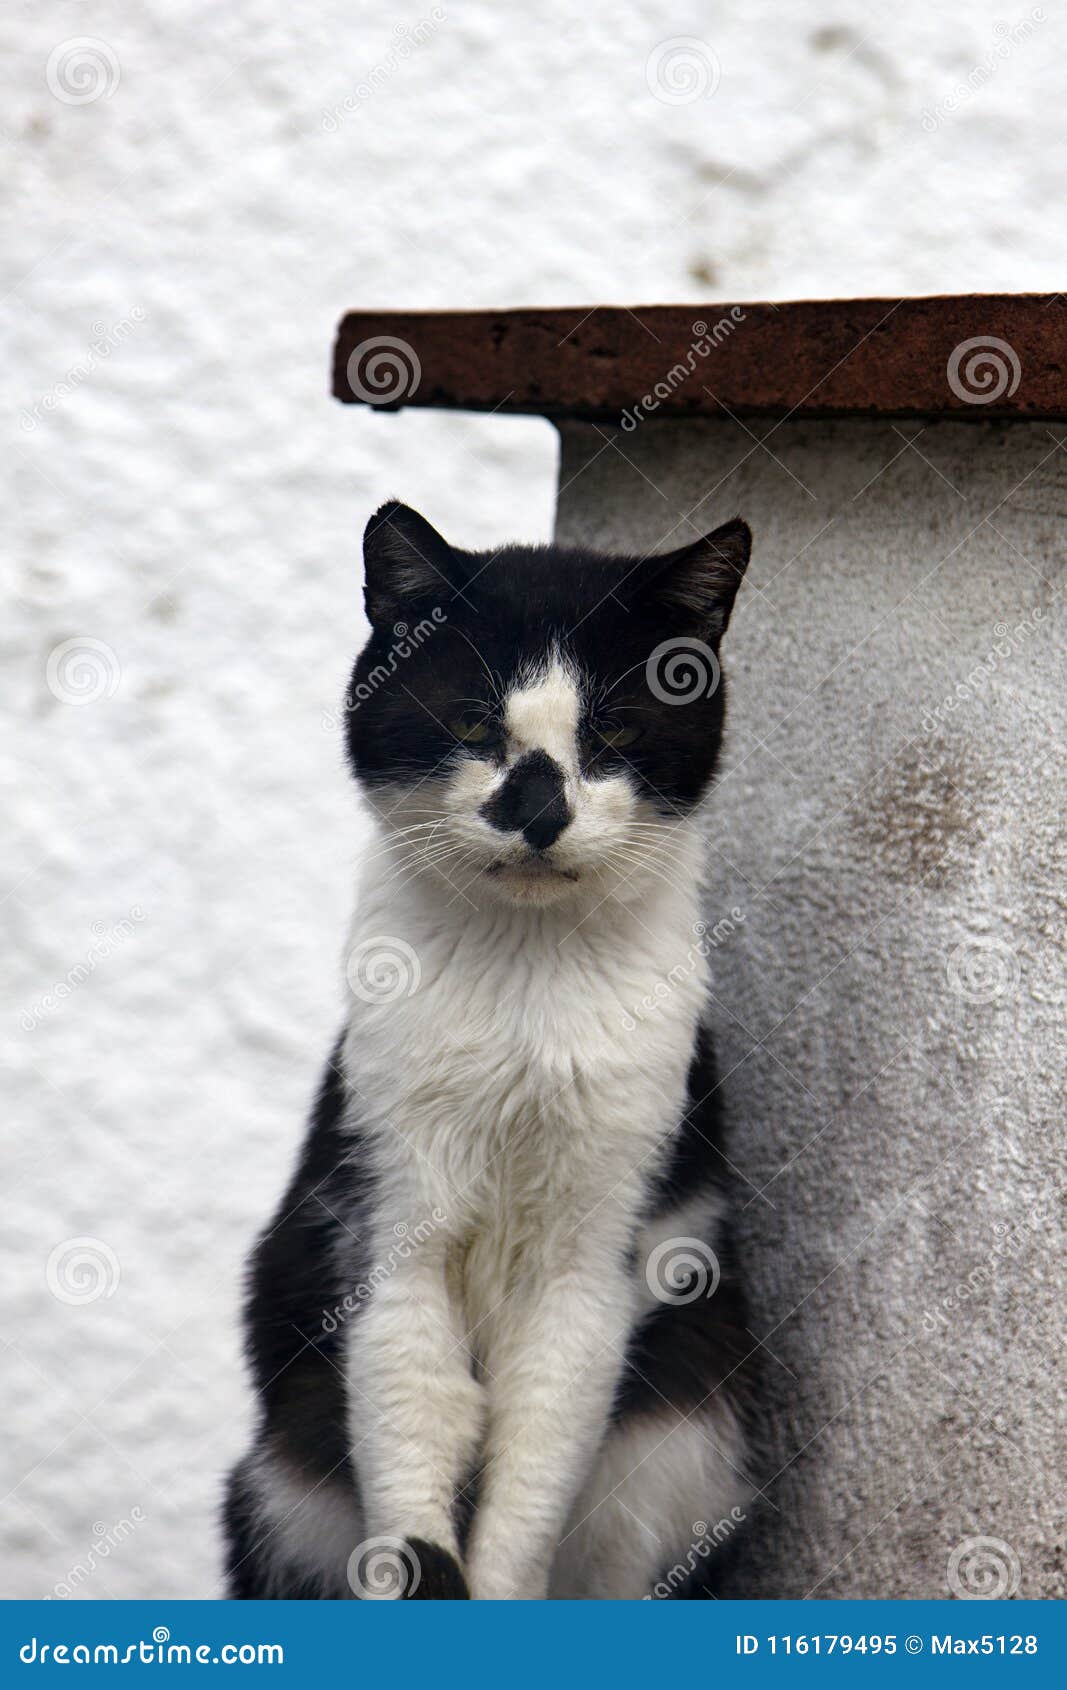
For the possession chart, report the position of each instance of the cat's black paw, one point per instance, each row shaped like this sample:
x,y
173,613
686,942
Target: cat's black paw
x,y
438,1575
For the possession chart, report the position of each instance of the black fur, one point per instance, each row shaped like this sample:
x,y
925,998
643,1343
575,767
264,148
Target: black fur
x,y
687,1351
295,1281
440,1577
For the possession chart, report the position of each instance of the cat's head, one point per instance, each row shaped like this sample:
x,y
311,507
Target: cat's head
x,y
534,724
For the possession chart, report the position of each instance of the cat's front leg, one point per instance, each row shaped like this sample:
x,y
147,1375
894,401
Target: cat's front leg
x,y
416,1419
554,1366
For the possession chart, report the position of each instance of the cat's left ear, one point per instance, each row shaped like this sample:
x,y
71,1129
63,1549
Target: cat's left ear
x,y
406,563
701,580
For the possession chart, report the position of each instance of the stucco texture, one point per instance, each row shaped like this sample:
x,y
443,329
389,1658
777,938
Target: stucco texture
x,y
189,205
886,893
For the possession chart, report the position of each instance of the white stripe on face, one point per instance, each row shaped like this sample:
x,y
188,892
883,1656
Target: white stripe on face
x,y
543,716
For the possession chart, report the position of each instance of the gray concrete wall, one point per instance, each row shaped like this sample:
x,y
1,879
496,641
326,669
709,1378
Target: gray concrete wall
x,y
890,1012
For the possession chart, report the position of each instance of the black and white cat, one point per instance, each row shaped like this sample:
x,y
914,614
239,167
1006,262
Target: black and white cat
x,y
494,1328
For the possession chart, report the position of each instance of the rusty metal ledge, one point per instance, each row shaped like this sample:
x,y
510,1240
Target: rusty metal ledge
x,y
964,355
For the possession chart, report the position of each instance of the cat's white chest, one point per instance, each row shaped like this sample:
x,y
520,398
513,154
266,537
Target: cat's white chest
x,y
513,1074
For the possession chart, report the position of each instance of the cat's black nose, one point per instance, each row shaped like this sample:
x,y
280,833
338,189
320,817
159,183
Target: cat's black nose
x,y
532,801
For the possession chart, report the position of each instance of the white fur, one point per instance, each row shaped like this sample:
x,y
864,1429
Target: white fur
x,y
661,1486
543,716
316,1528
608,823
512,1092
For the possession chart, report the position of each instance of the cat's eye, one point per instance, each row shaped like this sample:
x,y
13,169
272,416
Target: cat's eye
x,y
472,730
616,736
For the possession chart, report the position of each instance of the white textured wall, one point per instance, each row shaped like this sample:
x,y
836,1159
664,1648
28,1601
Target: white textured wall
x,y
176,859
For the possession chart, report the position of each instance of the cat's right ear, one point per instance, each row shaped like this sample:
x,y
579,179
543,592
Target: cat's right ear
x,y
700,580
406,563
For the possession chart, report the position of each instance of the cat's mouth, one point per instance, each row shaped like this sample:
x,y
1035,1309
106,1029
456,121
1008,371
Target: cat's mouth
x,y
529,868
